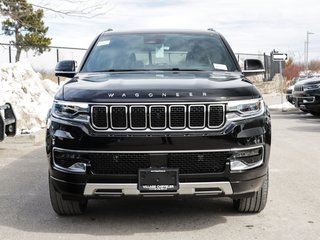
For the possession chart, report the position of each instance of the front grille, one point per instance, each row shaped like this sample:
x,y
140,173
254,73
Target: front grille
x,y
298,88
138,117
130,163
118,117
177,117
100,117
215,116
197,116
158,117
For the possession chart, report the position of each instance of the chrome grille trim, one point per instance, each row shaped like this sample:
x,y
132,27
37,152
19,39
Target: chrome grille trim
x,y
224,115
167,106
145,115
185,117
107,113
126,118
298,88
165,117
204,116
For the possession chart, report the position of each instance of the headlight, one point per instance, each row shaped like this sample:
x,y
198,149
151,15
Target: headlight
x,y
70,110
243,109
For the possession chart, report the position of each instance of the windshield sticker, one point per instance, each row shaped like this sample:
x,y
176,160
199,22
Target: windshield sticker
x,y
103,43
160,51
220,66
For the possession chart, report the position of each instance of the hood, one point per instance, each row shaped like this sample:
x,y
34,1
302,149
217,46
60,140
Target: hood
x,y
309,81
153,86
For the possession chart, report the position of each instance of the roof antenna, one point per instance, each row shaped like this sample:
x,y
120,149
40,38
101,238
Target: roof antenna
x,y
211,29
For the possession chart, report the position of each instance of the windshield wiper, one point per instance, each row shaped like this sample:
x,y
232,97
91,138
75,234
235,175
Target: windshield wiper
x,y
179,69
152,69
121,70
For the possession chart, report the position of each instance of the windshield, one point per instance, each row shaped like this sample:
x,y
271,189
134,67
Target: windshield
x,y
160,51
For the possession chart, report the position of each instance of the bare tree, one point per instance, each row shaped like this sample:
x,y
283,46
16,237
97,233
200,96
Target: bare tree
x,y
74,8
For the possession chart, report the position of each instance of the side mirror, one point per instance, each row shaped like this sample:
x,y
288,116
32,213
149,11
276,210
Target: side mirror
x,y
66,68
253,66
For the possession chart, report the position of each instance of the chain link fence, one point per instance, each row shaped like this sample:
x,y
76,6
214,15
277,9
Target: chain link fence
x,y
46,62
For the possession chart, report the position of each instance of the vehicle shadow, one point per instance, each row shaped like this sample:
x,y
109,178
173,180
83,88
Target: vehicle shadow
x,y
25,205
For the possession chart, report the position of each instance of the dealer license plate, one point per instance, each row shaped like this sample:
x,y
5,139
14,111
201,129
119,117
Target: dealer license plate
x,y
158,179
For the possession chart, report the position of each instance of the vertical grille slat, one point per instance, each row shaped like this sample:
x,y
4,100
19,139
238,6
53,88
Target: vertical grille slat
x,y
138,117
215,116
158,117
175,116
197,116
100,117
118,116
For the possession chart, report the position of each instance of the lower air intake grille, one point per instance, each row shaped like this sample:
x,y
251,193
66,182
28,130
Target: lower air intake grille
x,y
130,163
120,163
207,162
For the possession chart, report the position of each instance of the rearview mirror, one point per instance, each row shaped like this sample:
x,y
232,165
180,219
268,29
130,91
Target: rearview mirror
x,y
253,66
66,68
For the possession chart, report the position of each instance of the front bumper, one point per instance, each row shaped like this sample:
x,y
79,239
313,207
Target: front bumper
x,y
308,100
244,134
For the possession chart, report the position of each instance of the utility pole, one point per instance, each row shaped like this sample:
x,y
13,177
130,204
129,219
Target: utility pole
x,y
307,51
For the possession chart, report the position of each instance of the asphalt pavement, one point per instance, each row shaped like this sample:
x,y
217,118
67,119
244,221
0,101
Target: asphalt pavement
x,y
292,210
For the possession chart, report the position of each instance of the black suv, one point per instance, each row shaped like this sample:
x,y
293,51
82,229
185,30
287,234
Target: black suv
x,y
306,95
157,114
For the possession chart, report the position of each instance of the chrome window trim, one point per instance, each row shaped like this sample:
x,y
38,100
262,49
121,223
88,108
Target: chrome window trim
x,y
204,116
185,117
145,115
224,115
126,112
165,117
107,113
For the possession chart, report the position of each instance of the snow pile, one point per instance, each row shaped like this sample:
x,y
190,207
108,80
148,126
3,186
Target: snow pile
x,y
30,96
286,106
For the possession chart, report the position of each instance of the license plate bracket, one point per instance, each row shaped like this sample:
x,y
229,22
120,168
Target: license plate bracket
x,y
158,180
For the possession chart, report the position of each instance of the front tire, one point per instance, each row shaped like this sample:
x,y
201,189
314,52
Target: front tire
x,y
65,207
256,203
